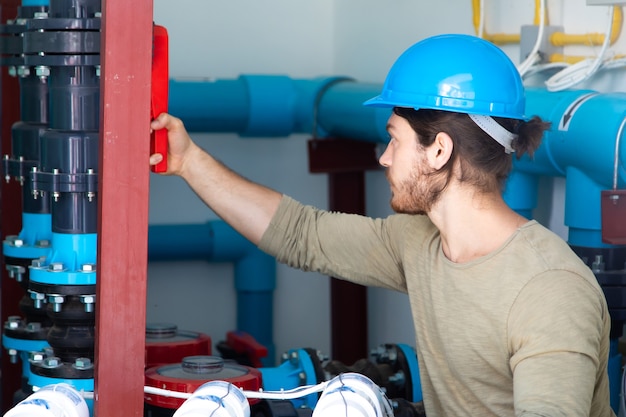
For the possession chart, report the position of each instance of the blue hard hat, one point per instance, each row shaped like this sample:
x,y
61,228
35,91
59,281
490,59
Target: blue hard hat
x,y
458,73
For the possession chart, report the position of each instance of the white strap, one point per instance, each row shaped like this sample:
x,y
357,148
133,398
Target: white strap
x,y
495,130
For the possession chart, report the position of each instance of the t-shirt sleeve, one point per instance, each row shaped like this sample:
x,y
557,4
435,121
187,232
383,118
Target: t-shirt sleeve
x,y
555,332
347,246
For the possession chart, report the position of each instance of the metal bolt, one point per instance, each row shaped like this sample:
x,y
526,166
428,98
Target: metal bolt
x,y
598,264
40,15
35,356
23,71
293,357
97,70
55,194
33,326
18,243
35,192
302,377
38,298
56,267
13,322
13,355
57,301
42,71
88,267
97,15
89,301
284,357
90,195
82,363
52,362
43,243
7,177
12,71
16,271
37,263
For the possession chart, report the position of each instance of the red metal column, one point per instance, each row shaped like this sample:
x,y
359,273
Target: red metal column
x,y
345,162
123,207
10,212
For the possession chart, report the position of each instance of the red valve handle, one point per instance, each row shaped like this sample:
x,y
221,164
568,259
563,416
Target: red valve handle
x,y
158,105
242,342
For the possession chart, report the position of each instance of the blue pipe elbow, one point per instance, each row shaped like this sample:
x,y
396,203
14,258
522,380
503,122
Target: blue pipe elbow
x,y
580,149
254,271
35,237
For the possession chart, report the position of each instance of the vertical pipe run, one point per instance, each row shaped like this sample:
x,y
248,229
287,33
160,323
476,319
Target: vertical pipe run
x,y
123,207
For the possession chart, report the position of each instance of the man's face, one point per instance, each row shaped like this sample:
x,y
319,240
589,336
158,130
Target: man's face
x,y
413,188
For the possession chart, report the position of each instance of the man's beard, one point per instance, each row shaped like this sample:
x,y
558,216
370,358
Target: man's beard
x,y
417,194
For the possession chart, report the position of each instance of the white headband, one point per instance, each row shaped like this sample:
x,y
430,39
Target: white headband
x,y
495,130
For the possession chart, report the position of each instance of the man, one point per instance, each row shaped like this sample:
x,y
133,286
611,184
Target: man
x,y
508,320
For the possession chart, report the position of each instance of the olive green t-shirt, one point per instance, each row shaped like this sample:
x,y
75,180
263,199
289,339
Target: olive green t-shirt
x,y
523,331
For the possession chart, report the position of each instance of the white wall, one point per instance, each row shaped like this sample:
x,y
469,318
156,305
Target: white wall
x,y
358,38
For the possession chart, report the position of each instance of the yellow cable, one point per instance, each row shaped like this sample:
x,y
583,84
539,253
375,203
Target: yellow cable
x,y
476,15
572,59
503,38
537,19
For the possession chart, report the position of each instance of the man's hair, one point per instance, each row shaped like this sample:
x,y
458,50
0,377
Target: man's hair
x,y
482,160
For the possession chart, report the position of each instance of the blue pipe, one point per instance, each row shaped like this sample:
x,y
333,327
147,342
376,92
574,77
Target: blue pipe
x,y
254,271
277,106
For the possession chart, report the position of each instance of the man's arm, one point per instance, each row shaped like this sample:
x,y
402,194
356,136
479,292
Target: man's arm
x,y
248,207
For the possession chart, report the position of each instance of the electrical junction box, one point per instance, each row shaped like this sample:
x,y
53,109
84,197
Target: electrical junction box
x,y
528,39
604,2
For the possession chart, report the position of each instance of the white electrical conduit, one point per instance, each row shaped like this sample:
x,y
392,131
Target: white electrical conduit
x,y
534,57
481,19
584,69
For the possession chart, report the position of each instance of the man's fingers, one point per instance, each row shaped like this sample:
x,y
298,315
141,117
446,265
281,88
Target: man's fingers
x,y
155,158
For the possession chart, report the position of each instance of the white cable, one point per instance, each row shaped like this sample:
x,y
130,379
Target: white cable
x,y
614,63
268,395
481,19
166,393
535,69
534,56
584,69
287,395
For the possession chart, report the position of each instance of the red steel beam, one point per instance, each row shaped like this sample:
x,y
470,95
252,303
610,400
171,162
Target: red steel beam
x,y
10,213
126,53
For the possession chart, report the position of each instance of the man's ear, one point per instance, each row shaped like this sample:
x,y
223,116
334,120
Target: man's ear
x,y
440,151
